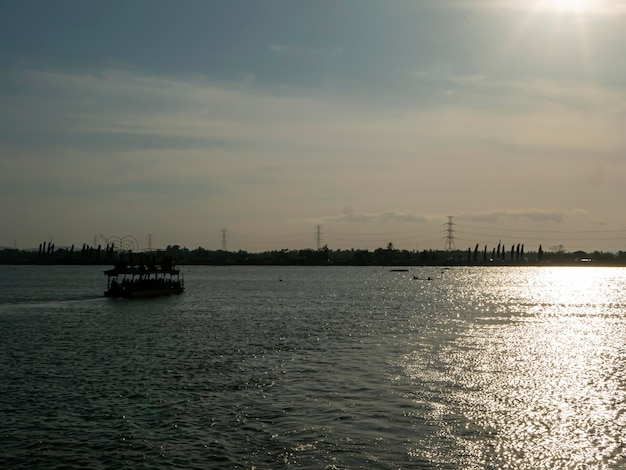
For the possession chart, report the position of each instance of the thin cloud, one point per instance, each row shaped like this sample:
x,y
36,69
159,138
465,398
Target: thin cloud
x,y
495,216
377,217
467,79
595,7
296,50
535,215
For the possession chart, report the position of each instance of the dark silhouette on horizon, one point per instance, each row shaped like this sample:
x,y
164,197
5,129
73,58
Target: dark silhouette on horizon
x,y
387,256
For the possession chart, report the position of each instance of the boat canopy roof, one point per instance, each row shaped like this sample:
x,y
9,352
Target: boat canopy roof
x,y
138,270
123,268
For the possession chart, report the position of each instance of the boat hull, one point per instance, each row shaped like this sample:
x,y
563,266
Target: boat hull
x,y
143,293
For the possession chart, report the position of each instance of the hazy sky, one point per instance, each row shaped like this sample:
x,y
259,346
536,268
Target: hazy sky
x,y
373,119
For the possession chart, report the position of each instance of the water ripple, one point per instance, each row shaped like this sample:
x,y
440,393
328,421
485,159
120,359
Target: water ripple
x,y
497,368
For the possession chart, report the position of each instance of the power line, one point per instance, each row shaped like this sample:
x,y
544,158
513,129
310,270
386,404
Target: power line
x,y
425,235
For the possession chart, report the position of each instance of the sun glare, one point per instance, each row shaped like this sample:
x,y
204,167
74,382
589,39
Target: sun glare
x,y
567,6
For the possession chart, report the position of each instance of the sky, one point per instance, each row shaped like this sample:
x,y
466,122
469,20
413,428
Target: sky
x,y
281,124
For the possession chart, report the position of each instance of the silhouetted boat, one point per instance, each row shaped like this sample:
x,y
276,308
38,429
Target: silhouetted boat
x,y
141,281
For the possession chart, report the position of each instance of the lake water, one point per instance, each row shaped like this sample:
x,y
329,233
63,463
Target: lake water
x,y
316,367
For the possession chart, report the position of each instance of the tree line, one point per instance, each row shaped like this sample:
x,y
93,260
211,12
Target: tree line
x,y
516,254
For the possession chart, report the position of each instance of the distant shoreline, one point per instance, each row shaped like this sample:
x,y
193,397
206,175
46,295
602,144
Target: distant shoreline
x,y
391,267
384,257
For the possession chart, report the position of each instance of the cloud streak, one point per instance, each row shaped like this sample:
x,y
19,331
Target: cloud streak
x,y
129,103
534,215
350,216
591,8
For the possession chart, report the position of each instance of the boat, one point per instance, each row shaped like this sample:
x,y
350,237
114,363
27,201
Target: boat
x,y
129,281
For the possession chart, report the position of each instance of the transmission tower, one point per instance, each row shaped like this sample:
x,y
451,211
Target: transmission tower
x,y
223,239
450,235
318,236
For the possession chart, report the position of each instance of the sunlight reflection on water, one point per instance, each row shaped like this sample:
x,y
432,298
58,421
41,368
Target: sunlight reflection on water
x,y
538,380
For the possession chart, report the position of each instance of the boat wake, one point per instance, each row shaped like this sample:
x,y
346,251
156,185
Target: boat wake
x,y
47,302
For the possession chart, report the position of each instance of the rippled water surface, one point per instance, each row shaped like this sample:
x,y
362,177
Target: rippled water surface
x,y
318,367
